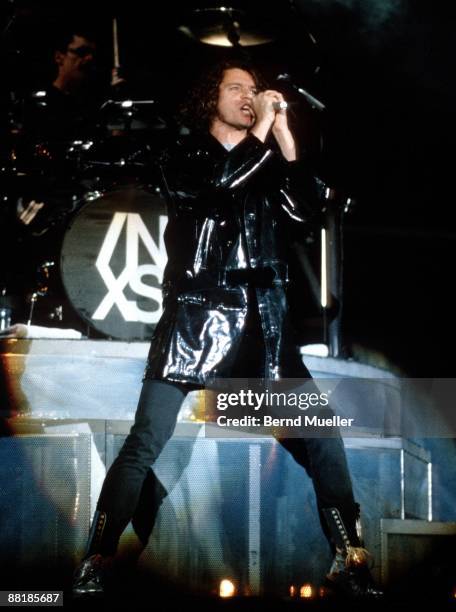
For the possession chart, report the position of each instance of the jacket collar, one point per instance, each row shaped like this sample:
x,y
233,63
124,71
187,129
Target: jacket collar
x,y
205,141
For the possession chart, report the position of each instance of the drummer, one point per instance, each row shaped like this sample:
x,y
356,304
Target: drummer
x,y
65,109
42,187
52,125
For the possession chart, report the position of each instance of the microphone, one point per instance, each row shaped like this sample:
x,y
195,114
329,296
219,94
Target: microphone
x,y
282,105
314,102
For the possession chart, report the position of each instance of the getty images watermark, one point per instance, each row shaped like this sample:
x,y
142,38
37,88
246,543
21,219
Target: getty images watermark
x,y
284,408
260,402
386,406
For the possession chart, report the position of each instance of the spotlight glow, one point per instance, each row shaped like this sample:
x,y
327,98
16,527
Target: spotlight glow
x,y
226,588
306,591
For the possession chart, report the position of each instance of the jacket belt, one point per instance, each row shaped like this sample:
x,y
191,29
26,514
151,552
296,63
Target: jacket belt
x,y
256,277
267,276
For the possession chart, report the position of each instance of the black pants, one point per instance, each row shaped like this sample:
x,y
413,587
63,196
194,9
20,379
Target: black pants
x,y
132,492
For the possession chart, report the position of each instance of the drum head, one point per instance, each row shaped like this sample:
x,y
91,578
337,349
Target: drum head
x,y
112,262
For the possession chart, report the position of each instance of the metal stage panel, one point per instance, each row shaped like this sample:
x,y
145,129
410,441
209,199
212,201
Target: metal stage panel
x,y
249,499
235,508
44,499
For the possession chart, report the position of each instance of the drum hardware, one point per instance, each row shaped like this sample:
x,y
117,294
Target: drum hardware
x,y
75,154
5,318
44,274
226,27
32,306
79,145
40,98
130,117
115,153
127,103
26,213
33,300
56,314
94,162
42,290
92,195
41,217
5,310
120,163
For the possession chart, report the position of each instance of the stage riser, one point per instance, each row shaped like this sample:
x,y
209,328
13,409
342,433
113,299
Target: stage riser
x,y
418,557
89,379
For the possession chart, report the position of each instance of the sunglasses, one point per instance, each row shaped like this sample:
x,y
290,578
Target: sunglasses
x,y
82,51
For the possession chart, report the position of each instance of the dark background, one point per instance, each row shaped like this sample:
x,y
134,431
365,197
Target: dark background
x,y
384,69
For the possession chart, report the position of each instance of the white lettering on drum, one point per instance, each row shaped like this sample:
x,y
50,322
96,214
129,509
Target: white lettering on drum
x,y
133,273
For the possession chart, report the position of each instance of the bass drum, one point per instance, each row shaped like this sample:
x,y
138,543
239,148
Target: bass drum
x,y
112,261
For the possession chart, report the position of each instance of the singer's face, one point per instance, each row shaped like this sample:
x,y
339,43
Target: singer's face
x,y
236,92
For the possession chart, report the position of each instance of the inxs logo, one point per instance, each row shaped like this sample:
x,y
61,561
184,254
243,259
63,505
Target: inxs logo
x,y
132,274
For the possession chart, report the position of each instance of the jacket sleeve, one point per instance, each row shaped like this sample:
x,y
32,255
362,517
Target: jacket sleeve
x,y
301,193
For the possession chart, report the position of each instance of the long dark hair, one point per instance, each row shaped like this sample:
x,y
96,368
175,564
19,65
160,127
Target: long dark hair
x,y
200,108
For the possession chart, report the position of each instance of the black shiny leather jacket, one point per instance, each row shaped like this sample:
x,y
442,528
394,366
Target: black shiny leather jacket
x,y
229,216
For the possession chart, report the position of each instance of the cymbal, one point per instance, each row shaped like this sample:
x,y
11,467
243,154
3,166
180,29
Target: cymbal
x,y
225,27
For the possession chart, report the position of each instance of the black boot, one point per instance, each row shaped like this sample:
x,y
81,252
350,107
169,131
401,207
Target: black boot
x,y
90,576
349,575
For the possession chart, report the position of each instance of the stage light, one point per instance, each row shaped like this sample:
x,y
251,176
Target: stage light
x,y
226,588
292,590
306,591
322,591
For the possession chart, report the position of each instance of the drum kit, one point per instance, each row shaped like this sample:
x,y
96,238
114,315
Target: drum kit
x,y
82,221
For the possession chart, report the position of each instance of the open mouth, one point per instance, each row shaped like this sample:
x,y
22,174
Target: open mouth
x,y
247,110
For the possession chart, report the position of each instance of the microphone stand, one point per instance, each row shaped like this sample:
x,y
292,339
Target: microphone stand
x,y
312,100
